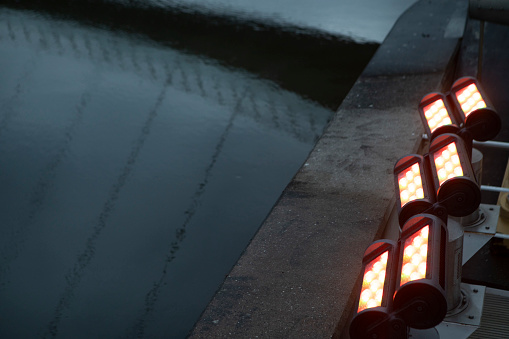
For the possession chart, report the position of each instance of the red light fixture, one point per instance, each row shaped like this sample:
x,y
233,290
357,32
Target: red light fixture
x,y
420,298
374,303
416,193
475,109
436,114
453,176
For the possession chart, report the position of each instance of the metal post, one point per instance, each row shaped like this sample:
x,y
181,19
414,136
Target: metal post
x,y
479,57
454,264
490,10
494,189
477,157
493,144
501,236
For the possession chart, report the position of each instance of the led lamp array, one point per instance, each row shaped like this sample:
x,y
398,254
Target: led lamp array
x,y
415,255
470,99
447,163
373,283
410,184
436,115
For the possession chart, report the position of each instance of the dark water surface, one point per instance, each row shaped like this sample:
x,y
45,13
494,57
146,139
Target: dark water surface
x,y
141,149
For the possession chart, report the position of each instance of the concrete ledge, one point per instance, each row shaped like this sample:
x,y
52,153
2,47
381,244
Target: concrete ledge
x,y
297,276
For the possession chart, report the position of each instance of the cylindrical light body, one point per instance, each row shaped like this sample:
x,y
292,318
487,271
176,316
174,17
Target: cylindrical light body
x,y
453,175
374,302
475,109
420,297
414,188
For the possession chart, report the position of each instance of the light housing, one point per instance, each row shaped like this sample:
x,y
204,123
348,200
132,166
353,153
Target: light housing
x,y
475,109
420,298
436,115
453,175
415,190
374,302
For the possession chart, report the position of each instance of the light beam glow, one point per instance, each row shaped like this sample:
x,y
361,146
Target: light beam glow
x,y
373,282
415,255
410,184
470,99
447,163
436,115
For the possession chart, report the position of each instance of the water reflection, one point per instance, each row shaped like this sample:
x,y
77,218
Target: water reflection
x,y
312,63
134,173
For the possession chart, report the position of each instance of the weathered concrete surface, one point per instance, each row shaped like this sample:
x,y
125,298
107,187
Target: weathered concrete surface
x,y
296,278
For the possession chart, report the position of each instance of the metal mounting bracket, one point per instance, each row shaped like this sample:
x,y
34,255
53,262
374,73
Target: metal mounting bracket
x,y
481,231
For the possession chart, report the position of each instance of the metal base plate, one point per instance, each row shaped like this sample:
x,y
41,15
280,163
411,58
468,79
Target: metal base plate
x,y
463,324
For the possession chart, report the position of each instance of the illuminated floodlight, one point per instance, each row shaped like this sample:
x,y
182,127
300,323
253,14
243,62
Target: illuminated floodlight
x,y
415,191
374,302
436,114
469,97
475,109
420,298
453,175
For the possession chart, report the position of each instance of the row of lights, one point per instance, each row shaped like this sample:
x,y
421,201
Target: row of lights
x,y
403,284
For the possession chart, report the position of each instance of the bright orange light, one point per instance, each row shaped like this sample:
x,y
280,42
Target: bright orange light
x,y
470,99
447,162
373,282
415,255
410,184
436,115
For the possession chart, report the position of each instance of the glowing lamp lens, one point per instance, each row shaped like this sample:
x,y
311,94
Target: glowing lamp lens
x,y
436,115
447,162
373,282
470,99
415,255
410,184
